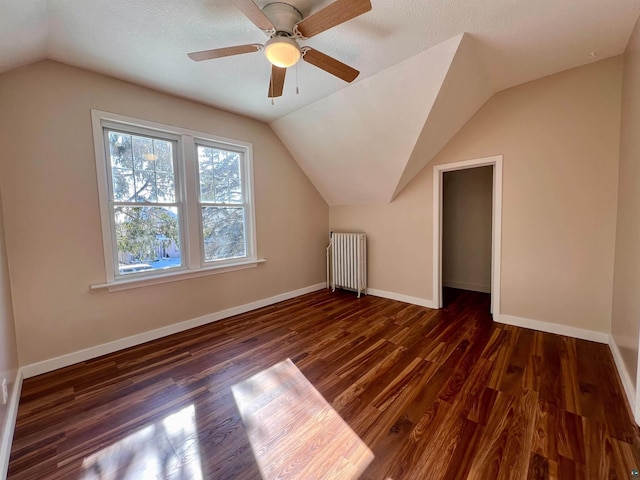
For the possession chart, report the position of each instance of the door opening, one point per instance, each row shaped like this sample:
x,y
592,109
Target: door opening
x,y
466,230
454,263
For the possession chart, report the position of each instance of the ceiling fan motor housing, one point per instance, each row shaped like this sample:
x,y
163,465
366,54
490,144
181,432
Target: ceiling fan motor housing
x,y
283,16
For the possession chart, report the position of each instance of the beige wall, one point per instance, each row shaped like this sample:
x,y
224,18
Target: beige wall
x,y
560,139
626,301
52,220
8,347
466,228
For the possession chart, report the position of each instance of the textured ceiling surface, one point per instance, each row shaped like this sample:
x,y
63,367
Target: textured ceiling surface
x,y
360,142
146,42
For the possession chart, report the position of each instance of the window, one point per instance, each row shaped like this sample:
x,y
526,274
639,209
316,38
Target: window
x,y
146,213
222,203
174,203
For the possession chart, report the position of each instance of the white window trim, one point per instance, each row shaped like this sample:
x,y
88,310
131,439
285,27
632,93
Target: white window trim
x,y
174,276
193,260
247,197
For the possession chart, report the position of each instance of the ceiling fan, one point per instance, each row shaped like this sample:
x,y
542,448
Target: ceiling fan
x,y
284,24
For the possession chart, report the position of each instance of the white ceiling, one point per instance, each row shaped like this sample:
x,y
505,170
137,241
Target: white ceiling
x,y
372,143
146,42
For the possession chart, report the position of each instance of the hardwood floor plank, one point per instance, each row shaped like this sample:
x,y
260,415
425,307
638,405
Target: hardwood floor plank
x,y
504,356
483,406
486,464
407,456
294,432
393,401
448,437
464,453
569,375
590,401
568,469
549,385
538,468
521,431
570,437
545,431
513,378
388,447
597,455
368,380
435,394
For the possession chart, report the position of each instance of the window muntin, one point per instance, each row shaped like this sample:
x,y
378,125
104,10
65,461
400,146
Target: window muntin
x,y
145,215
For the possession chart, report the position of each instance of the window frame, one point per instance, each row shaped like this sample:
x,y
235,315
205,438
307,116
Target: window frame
x,y
187,187
178,185
246,198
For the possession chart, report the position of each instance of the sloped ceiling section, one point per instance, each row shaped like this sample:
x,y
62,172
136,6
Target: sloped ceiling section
x,y
359,145
465,89
24,27
355,143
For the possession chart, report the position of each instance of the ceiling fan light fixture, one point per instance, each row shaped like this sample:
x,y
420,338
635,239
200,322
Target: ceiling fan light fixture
x,y
283,52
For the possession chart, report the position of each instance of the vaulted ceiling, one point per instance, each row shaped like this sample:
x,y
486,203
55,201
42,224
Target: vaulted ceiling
x,y
426,67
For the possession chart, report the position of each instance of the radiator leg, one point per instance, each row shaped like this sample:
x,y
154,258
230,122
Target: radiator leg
x,y
328,267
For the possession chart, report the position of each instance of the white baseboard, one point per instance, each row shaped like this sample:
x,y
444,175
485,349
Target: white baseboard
x,y
582,333
423,302
627,384
474,287
80,356
6,437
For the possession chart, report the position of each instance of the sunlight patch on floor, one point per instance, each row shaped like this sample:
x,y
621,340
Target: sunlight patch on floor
x,y
167,449
293,431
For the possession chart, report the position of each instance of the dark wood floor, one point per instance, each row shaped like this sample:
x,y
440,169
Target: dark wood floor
x,y
442,394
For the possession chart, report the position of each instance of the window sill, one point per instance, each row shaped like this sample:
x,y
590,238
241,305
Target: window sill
x,y
128,284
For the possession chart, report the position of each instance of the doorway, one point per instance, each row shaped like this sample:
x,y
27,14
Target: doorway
x,y
466,230
442,231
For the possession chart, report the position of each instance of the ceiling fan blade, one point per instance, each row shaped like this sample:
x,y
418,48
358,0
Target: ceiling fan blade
x,y
330,64
276,84
253,13
338,12
224,52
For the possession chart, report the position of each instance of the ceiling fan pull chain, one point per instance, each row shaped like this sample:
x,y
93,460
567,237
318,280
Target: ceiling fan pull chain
x,y
297,91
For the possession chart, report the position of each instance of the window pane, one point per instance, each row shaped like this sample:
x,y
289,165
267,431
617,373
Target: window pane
x,y
141,168
147,238
120,150
223,232
145,186
143,156
164,151
220,179
165,188
123,185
